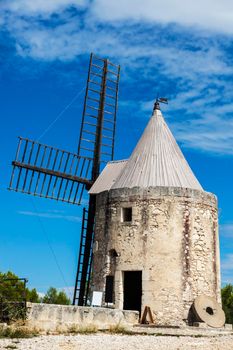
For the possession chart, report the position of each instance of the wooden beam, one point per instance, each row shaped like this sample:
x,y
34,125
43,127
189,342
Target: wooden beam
x,y
53,173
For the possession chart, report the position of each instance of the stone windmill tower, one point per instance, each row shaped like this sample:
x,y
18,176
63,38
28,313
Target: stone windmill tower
x,y
156,232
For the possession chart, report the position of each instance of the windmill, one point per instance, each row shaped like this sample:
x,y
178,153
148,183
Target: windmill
x,y
49,172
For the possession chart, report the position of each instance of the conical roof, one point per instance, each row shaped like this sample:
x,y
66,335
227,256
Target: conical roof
x,y
157,160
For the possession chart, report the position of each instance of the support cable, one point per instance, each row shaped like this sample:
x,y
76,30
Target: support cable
x,y
51,248
60,114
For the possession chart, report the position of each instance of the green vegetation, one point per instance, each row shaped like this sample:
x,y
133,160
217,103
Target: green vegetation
x,y
14,291
13,295
227,302
54,297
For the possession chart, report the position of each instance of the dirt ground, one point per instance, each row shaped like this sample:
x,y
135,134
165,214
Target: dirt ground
x,y
102,341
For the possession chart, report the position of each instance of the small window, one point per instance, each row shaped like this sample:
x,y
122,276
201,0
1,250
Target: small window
x,y
113,253
126,215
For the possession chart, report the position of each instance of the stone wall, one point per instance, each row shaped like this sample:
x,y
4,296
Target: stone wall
x,y
49,317
172,239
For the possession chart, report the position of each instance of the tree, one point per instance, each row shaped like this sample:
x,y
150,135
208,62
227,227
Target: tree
x,y
227,302
33,296
11,288
54,297
13,294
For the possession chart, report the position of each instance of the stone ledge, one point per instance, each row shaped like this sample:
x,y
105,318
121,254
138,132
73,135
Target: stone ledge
x,y
51,317
154,192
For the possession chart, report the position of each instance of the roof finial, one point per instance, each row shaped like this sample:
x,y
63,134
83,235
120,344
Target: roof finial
x,y
158,101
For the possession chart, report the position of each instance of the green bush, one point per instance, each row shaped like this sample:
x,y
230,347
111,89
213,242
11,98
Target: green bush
x,y
227,302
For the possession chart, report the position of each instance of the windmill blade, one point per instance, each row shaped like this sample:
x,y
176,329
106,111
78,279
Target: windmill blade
x,y
49,172
98,126
97,136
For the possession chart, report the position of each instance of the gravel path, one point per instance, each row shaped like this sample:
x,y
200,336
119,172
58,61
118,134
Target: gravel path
x,y
118,342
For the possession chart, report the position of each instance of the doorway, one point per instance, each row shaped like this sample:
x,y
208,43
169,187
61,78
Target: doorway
x,y
132,290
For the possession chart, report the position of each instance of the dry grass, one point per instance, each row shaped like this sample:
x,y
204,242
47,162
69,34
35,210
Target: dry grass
x,y
17,332
120,329
81,329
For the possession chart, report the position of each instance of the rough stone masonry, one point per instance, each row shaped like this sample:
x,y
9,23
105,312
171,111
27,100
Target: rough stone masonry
x,y
154,218
172,239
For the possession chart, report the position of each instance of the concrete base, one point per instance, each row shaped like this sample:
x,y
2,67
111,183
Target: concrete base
x,y
47,317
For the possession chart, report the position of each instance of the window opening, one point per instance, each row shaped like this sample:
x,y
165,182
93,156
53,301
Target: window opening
x,y
126,214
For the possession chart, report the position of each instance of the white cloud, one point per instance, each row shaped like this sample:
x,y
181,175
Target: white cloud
x,y
207,133
200,75
50,215
44,7
227,269
226,230
209,14
198,66
200,113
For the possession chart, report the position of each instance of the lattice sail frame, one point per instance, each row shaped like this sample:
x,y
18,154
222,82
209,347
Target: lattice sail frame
x,y
100,103
100,114
49,172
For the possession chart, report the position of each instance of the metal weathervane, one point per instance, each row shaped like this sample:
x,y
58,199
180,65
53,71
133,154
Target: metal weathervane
x,y
160,100
49,172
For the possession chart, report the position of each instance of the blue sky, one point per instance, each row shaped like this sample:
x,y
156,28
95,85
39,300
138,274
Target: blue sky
x,y
179,49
